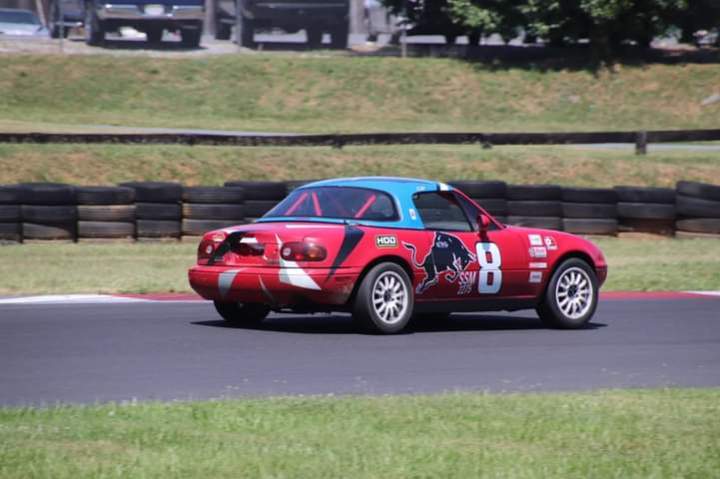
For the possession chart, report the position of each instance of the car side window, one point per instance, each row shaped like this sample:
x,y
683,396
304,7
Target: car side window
x,y
441,211
472,213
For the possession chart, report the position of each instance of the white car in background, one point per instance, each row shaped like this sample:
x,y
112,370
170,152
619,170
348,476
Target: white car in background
x,y
18,22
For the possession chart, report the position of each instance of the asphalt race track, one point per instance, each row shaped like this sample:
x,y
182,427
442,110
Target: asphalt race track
x,y
84,353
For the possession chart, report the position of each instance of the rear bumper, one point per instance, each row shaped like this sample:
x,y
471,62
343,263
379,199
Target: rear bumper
x,y
150,12
278,287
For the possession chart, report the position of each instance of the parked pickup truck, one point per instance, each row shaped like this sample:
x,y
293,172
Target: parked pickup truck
x,y
149,16
314,16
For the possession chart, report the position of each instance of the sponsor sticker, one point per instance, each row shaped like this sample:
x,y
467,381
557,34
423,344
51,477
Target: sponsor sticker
x,y
386,241
466,280
535,240
538,265
535,277
538,252
550,243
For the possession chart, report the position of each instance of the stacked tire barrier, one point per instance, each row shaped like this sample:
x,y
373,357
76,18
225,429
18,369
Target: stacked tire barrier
x,y
698,208
207,208
536,206
589,211
49,211
260,196
490,194
158,210
105,212
10,216
646,210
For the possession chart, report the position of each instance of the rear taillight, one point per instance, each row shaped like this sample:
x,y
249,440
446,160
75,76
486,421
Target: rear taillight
x,y
302,251
209,245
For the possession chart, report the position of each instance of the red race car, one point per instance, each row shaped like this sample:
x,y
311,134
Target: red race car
x,y
385,249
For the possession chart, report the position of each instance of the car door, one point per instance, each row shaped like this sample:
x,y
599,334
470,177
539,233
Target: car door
x,y
466,264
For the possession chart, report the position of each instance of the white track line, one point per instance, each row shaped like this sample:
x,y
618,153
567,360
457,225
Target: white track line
x,y
71,299
705,293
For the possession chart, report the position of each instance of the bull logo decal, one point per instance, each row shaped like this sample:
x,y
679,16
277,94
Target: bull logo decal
x,y
451,257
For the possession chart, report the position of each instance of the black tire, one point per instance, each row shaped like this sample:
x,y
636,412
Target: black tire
x,y
10,231
339,37
155,191
54,22
213,194
49,214
314,37
10,195
534,208
589,210
364,311
105,195
699,190
158,211
190,37
481,189
105,229
699,225
212,212
223,30
94,32
10,213
242,314
48,232
158,229
200,227
591,226
261,190
106,213
634,194
533,192
657,211
551,311
154,35
546,222
256,209
49,194
589,195
494,206
247,33
697,207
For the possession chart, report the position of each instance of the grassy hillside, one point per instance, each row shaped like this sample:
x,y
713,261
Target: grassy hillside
x,y
297,93
94,164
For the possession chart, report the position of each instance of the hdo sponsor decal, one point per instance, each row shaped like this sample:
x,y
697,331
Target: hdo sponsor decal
x,y
386,241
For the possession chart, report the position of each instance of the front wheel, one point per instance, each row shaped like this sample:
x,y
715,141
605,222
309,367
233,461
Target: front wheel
x,y
190,37
384,301
571,296
242,314
94,33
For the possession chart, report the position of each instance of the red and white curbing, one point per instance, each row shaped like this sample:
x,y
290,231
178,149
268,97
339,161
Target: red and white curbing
x,y
192,298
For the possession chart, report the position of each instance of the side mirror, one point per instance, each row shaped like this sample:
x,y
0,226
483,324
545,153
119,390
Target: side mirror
x,y
483,222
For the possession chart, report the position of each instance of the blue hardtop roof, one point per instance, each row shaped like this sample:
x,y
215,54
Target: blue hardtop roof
x,y
401,189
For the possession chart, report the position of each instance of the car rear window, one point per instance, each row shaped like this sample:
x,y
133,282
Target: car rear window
x,y
336,202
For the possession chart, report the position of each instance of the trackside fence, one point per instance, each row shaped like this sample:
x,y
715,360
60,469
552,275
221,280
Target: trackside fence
x,y
160,210
639,138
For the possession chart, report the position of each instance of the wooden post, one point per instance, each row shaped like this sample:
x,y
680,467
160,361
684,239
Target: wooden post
x,y
641,143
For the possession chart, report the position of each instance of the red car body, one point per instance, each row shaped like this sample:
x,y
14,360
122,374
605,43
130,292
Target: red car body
x,y
303,263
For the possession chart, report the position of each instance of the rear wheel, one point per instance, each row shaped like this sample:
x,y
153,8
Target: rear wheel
x,y
154,35
242,313
384,300
190,37
222,30
314,37
247,35
571,296
339,37
94,33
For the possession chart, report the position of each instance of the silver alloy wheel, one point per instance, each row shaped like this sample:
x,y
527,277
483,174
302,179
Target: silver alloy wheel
x,y
574,293
390,297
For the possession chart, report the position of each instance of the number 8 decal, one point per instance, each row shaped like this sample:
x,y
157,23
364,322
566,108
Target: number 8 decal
x,y
490,272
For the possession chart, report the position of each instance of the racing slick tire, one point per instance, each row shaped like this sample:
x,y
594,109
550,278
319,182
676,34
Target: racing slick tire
x,y
697,207
155,191
10,213
589,210
242,314
636,194
589,195
49,214
384,301
201,211
571,296
124,213
158,211
105,229
105,195
47,194
158,229
654,211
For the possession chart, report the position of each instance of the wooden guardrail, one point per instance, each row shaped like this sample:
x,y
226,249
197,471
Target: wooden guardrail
x,y
639,138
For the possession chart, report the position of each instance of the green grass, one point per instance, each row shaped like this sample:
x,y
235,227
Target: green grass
x,y
662,433
635,265
108,164
276,92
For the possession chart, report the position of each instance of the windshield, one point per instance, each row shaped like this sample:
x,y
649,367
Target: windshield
x,y
336,202
19,16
